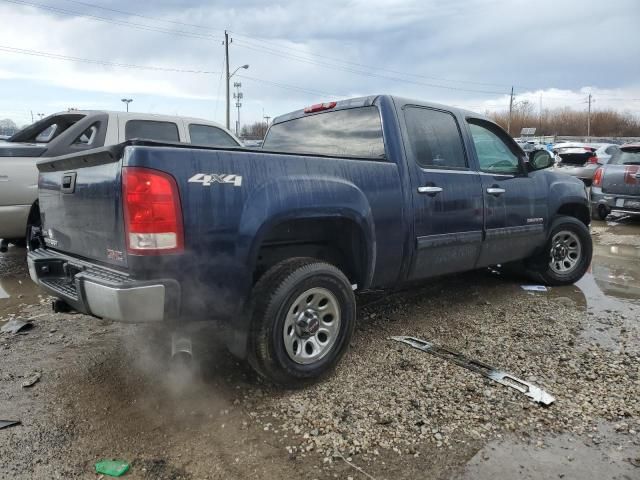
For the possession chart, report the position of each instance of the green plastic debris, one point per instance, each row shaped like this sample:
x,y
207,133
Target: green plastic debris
x,y
113,468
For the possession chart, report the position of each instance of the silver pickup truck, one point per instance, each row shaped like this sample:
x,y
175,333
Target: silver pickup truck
x,y
73,132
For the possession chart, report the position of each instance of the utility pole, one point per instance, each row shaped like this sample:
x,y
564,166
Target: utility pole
x,y
227,76
589,121
32,116
267,118
510,112
540,117
238,96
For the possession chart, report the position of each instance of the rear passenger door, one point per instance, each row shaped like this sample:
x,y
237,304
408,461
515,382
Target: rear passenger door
x,y
447,195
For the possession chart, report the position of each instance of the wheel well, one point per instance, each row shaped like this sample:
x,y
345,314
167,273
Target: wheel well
x,y
576,210
34,213
337,241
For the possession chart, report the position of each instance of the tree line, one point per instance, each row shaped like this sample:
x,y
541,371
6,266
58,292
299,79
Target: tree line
x,y
569,122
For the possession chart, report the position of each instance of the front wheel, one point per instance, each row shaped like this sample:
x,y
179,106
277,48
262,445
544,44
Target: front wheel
x,y
302,321
567,254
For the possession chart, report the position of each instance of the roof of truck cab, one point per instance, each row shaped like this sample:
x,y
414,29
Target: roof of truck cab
x,y
370,100
144,116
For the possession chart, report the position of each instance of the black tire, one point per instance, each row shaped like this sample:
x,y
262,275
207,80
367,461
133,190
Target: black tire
x,y
275,298
540,266
601,212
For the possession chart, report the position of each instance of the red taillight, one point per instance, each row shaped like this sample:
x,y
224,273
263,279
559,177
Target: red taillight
x,y
593,159
597,177
318,107
152,214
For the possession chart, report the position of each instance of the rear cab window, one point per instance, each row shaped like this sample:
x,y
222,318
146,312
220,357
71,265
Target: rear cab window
x,y
353,132
210,136
152,130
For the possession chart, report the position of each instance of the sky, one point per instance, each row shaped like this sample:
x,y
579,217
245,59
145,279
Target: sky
x,y
60,54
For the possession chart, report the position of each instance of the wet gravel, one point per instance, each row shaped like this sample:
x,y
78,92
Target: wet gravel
x,y
387,397
389,411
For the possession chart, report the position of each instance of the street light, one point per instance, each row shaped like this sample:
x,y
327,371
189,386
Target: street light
x,y
127,101
229,88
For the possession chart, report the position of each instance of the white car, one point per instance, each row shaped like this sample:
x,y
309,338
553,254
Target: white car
x,y
74,131
582,159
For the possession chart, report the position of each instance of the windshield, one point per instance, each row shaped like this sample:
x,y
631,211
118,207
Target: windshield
x,y
626,157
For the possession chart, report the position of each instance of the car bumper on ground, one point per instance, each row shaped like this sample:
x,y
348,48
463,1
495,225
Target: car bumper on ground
x,y
13,221
629,204
101,291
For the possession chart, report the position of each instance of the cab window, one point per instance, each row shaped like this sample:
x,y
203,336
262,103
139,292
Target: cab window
x,y
152,130
495,152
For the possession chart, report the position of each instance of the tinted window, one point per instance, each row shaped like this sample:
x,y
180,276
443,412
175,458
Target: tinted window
x,y
211,136
152,130
494,153
434,138
356,132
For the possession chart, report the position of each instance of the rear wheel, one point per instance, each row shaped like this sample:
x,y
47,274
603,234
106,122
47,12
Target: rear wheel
x,y
303,319
33,228
566,255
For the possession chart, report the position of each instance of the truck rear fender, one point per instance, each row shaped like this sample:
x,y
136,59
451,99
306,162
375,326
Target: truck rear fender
x,y
303,200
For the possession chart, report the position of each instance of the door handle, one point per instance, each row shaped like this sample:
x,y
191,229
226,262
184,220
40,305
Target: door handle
x,y
429,190
495,191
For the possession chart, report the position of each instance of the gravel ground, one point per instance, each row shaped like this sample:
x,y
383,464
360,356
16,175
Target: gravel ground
x,y
388,411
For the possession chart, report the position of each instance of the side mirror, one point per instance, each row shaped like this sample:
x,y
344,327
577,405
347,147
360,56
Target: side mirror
x,y
539,159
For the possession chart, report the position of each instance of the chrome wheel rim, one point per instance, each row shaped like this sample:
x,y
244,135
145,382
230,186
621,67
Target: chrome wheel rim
x,y
312,326
566,252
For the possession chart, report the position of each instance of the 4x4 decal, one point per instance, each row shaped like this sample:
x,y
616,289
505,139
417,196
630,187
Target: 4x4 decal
x,y
206,179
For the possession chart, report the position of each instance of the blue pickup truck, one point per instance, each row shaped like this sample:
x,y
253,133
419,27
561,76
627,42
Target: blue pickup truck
x,y
344,196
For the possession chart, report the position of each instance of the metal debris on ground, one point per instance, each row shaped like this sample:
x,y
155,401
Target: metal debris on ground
x,y
8,423
113,468
16,325
31,379
532,391
534,288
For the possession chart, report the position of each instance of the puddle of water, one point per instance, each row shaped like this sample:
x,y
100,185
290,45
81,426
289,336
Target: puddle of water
x,y
612,285
17,290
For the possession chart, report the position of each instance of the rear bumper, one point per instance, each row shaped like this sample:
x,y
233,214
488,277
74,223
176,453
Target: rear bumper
x,y
103,292
582,172
13,221
629,204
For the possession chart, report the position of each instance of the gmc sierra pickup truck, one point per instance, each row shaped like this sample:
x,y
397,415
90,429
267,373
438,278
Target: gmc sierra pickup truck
x,y
75,132
272,243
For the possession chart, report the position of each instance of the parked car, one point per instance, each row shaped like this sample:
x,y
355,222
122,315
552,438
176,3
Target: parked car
x,y
616,185
77,132
582,159
364,193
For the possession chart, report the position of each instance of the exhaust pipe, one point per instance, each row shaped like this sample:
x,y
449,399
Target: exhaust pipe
x,y
181,348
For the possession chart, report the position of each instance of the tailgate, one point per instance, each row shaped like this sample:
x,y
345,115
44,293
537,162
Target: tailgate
x,y
80,203
621,179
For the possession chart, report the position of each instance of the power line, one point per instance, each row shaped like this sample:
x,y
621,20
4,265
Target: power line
x,y
362,65
55,56
138,26
364,73
290,87
131,14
